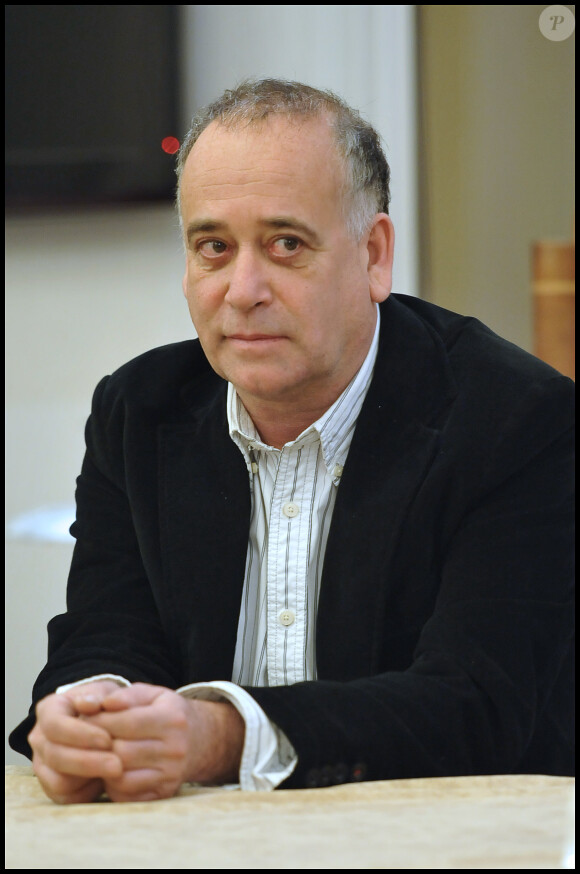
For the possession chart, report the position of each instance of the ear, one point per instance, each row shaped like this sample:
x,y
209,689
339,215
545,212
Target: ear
x,y
380,248
184,281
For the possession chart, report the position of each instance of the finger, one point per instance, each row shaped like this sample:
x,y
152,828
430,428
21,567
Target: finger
x,y
87,697
136,754
86,704
64,789
79,762
70,731
132,724
137,695
56,719
143,784
165,717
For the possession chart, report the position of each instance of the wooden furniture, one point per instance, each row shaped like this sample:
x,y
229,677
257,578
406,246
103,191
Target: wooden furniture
x,y
467,822
553,277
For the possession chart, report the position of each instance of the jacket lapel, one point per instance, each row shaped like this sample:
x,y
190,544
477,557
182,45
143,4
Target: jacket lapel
x,y
393,447
204,520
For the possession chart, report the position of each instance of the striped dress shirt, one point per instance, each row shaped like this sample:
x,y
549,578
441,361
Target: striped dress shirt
x,y
293,494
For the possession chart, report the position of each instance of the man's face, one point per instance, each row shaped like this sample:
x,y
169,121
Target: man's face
x,y
277,289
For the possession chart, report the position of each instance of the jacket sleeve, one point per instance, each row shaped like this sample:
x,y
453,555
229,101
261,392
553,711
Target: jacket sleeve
x,y
112,624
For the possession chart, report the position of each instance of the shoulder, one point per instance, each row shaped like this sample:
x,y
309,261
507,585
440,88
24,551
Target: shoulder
x,y
494,391
478,357
161,382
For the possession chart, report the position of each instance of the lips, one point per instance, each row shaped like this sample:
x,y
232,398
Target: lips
x,y
254,344
252,338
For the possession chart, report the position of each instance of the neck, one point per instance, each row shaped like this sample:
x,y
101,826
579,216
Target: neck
x,y
281,420
277,424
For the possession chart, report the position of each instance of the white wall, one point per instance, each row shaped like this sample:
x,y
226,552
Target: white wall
x,y
87,292
365,54
84,294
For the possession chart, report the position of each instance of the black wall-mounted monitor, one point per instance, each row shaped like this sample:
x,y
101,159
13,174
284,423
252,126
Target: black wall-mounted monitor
x,y
91,93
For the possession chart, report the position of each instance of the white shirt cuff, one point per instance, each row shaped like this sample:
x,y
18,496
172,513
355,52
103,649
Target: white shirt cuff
x,y
268,757
121,681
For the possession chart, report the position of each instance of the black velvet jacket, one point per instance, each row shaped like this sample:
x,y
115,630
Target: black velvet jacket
x,y
445,626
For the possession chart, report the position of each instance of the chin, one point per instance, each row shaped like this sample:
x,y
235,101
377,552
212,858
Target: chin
x,y
266,388
262,390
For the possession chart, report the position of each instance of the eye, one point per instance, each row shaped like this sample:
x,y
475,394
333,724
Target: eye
x,y
286,245
211,248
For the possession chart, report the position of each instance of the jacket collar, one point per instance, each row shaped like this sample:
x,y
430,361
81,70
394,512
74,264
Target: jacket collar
x,y
394,445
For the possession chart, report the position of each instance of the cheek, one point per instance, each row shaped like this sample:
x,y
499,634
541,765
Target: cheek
x,y
199,314
202,296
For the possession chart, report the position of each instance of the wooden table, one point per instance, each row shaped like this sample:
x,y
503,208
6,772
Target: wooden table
x,y
465,822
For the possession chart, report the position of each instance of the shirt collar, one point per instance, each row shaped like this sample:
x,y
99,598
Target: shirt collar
x,y
334,428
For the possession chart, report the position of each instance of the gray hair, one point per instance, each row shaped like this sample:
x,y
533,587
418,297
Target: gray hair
x,y
367,172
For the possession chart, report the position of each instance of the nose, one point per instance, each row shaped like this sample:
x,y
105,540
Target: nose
x,y
248,284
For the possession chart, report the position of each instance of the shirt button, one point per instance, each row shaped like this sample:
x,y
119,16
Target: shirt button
x,y
290,509
286,617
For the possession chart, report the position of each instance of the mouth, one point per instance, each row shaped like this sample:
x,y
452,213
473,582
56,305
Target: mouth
x,y
254,344
254,339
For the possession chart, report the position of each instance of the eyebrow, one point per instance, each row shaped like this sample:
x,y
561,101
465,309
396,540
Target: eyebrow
x,y
285,221
208,226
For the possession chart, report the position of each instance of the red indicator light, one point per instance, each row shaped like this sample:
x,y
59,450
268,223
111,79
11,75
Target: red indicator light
x,y
170,145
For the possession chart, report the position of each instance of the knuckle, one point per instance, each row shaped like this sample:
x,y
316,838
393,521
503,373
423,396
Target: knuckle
x,y
59,785
180,747
42,704
47,704
125,751
178,721
56,787
34,736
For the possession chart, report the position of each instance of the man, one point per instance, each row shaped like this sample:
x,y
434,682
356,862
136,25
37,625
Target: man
x,y
339,525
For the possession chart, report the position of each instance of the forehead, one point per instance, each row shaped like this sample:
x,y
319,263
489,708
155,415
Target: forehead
x,y
274,160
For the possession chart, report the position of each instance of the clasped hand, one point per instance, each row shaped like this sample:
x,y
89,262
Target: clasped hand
x,y
138,743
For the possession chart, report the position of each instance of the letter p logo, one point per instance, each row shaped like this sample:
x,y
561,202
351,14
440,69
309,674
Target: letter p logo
x,y
557,23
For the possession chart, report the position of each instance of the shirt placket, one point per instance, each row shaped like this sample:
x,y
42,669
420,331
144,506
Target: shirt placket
x,y
288,567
